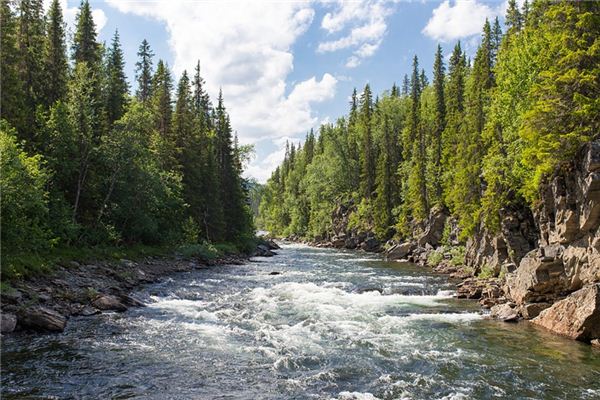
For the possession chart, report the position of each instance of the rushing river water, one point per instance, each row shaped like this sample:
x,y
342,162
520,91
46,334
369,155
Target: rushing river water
x,y
331,325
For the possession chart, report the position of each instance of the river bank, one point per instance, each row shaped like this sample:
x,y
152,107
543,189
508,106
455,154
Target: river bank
x,y
308,323
45,302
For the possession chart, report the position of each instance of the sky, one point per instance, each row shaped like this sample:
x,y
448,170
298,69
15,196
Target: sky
x,y
288,66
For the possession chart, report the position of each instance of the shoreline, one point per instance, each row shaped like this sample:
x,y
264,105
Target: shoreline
x,y
43,304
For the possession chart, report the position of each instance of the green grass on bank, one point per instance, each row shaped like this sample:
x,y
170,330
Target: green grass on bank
x,y
22,266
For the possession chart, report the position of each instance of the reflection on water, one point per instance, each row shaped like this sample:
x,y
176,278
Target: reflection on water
x,y
332,325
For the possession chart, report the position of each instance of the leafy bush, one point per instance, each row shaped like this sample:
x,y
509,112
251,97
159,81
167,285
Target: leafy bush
x,y
435,257
204,251
458,255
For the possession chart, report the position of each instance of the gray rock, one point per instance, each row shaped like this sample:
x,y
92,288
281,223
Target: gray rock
x,y
504,312
400,251
42,319
8,322
107,302
131,301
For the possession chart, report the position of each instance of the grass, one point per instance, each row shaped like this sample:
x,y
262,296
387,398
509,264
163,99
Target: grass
x,y
486,272
22,266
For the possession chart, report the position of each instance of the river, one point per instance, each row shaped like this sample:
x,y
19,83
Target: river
x,y
307,324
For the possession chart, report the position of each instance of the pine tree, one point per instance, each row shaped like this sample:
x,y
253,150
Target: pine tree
x,y
117,86
31,48
416,137
56,66
514,19
201,100
11,104
367,170
143,72
440,122
85,46
405,85
162,85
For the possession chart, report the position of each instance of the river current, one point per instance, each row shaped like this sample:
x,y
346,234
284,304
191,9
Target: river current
x,y
306,324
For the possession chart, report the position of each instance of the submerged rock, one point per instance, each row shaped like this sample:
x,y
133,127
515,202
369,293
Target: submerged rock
x,y
577,316
8,322
42,319
109,303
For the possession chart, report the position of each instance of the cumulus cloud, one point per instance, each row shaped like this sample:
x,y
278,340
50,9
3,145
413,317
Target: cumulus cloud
x,y
364,24
70,15
245,48
462,18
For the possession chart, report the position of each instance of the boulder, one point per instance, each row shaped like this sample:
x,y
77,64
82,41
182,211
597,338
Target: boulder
x,y
8,322
506,312
532,310
263,251
576,317
538,279
42,319
371,244
107,302
400,251
434,227
131,301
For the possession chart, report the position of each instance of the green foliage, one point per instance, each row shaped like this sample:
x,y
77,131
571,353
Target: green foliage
x,y
486,272
88,167
435,257
457,255
24,198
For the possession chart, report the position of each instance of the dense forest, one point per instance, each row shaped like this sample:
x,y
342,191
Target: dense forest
x,y
477,139
87,163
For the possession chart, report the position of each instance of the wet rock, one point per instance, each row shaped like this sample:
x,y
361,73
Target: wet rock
x,y
86,311
131,301
42,319
577,316
595,342
532,310
400,251
469,289
366,289
263,251
272,245
11,296
505,312
8,322
109,303
370,244
274,273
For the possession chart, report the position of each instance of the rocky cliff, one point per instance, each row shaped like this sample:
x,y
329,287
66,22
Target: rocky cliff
x,y
549,256
563,271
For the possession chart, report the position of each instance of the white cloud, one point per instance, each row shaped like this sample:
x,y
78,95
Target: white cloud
x,y
245,48
365,23
461,19
70,15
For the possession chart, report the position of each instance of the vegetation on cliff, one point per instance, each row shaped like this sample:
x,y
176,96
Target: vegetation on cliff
x,y
85,163
480,137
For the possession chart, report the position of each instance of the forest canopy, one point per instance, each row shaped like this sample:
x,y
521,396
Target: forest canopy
x,y
477,139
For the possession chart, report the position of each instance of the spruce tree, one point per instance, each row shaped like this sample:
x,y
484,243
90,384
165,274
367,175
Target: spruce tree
x,y
11,104
56,66
367,160
162,85
85,46
514,19
117,86
31,73
143,72
440,122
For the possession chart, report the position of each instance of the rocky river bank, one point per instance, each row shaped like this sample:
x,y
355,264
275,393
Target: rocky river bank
x,y
44,303
543,264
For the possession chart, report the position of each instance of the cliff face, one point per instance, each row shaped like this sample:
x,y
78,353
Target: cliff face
x,y
566,263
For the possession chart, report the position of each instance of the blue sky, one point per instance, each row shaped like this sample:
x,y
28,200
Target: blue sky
x,y
287,66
